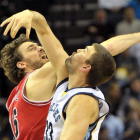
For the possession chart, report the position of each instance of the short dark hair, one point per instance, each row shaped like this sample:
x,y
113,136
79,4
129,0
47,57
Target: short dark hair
x,y
10,55
103,66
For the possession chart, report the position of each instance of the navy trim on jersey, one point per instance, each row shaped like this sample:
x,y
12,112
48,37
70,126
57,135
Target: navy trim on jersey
x,y
85,93
81,87
63,81
95,124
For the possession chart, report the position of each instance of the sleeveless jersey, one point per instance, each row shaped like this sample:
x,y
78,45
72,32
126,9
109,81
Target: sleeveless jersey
x,y
27,118
56,116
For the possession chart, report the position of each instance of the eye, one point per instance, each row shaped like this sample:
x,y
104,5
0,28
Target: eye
x,y
32,48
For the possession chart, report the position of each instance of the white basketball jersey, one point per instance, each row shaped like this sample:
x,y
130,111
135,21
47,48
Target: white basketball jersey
x,y
56,116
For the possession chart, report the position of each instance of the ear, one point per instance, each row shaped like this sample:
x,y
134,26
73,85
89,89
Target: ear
x,y
85,68
21,64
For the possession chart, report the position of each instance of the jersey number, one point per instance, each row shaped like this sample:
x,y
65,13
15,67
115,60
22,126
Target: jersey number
x,y
15,122
49,131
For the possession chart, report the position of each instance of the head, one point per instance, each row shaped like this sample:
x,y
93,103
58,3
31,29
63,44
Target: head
x,y
100,16
114,91
95,62
129,14
135,85
20,57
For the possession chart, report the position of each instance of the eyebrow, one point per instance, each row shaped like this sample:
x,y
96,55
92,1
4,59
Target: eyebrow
x,y
31,45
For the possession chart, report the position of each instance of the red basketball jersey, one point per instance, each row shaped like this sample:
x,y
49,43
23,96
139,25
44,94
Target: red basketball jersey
x,y
27,118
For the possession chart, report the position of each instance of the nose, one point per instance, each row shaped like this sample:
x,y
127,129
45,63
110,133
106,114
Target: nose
x,y
40,49
80,50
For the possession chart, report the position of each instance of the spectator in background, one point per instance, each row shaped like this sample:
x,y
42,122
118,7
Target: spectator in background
x,y
132,123
103,134
136,5
127,61
127,68
114,9
130,98
101,29
115,127
129,24
113,96
132,90
135,88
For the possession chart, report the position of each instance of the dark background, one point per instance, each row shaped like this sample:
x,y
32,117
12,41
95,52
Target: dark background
x,y
70,20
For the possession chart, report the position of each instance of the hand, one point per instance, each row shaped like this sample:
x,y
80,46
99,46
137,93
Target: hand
x,y
22,19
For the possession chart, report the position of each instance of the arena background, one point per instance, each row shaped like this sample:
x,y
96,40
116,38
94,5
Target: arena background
x,y
77,24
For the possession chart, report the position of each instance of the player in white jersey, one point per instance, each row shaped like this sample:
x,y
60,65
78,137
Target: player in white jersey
x,y
91,66
78,106
57,111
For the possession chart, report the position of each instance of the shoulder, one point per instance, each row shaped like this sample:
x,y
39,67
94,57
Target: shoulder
x,y
45,70
82,98
121,23
82,101
11,97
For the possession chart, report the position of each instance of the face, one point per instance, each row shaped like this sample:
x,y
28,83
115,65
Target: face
x,y
129,14
33,55
77,59
100,16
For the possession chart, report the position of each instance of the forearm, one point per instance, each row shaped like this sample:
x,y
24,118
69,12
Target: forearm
x,y
39,22
120,43
50,43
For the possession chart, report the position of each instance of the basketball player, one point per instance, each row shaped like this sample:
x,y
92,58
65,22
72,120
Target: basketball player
x,y
45,35
25,63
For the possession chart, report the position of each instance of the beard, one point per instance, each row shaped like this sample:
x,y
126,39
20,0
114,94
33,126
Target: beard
x,y
69,65
35,65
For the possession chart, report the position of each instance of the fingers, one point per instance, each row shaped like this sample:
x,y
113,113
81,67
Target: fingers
x,y
28,32
8,27
6,21
14,31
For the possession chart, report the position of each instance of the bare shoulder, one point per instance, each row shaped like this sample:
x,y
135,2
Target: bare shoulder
x,y
41,84
44,71
83,102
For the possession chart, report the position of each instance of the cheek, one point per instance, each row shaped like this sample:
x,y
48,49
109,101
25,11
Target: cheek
x,y
78,59
35,56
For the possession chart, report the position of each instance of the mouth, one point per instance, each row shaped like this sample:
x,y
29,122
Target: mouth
x,y
43,56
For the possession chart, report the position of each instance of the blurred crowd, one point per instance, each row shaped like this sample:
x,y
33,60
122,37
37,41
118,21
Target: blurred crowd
x,y
110,18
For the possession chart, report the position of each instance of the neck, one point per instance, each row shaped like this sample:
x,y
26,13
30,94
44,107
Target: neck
x,y
27,70
76,80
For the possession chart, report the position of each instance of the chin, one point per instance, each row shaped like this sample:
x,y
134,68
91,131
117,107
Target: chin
x,y
46,60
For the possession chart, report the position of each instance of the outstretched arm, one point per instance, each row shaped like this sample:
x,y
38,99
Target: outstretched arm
x,y
51,44
118,44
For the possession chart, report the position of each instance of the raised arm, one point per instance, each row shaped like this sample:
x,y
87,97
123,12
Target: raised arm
x,y
51,44
118,44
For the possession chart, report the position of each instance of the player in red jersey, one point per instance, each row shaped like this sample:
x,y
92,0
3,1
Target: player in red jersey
x,y
26,117
25,63
29,56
